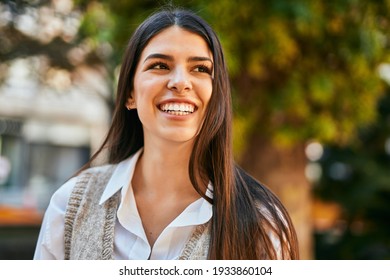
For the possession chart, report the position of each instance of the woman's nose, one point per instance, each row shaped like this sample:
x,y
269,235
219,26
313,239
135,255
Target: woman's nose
x,y
179,81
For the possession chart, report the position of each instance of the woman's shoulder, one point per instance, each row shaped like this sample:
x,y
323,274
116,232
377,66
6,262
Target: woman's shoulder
x,y
266,201
97,169
61,196
254,184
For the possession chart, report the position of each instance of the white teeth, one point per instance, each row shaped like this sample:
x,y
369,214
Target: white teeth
x,y
178,109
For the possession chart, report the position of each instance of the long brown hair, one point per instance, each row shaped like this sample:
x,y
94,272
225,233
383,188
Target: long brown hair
x,y
247,216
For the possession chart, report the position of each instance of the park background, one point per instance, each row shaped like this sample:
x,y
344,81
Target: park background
x,y
311,96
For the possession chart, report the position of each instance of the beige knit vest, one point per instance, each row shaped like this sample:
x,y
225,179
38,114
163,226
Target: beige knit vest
x,y
89,227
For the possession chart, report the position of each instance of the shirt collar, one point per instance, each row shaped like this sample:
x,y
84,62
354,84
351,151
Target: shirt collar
x,y
121,176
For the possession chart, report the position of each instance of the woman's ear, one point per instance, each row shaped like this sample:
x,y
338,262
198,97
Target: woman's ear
x,y
130,103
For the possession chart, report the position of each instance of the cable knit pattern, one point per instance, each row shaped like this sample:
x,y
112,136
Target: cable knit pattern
x,y
197,248
71,212
108,237
89,227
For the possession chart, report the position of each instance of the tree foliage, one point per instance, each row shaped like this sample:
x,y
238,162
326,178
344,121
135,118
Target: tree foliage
x,y
305,69
357,178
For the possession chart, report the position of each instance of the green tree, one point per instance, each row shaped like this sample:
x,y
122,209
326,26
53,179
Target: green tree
x,y
357,178
45,34
301,70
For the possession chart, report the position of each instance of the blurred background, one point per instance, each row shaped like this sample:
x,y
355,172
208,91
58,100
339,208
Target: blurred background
x,y
311,100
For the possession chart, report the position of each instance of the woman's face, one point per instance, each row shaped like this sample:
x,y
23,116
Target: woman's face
x,y
173,85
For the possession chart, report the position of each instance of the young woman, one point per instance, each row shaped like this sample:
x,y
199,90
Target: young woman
x,y
171,189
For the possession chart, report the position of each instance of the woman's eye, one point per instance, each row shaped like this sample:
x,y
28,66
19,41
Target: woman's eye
x,y
203,69
159,65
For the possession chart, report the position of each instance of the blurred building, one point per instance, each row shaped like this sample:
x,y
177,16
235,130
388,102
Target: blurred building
x,y
48,129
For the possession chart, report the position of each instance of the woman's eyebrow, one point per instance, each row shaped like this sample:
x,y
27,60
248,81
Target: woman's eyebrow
x,y
159,55
199,58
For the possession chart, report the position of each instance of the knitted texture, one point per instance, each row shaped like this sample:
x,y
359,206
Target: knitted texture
x,y
197,248
89,227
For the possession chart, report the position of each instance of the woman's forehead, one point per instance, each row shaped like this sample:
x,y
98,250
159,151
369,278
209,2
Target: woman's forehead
x,y
176,40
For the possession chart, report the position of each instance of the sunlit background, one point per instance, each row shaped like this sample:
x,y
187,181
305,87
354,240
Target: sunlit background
x,y
311,97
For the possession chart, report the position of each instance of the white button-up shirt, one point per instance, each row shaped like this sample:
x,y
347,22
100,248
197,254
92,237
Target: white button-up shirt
x,y
130,240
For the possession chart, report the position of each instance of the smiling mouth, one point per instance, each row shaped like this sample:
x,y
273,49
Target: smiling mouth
x,y
178,109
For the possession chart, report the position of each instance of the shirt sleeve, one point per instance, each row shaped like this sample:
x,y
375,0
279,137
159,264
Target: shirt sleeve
x,y
50,244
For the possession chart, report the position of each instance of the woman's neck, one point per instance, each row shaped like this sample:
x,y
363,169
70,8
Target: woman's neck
x,y
164,170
